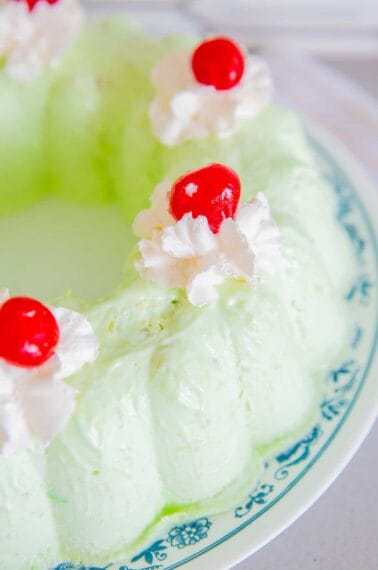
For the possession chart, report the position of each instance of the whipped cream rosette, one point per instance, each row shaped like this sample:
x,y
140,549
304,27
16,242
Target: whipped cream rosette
x,y
35,34
40,346
208,92
199,235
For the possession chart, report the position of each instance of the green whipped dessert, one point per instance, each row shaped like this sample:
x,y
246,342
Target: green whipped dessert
x,y
196,374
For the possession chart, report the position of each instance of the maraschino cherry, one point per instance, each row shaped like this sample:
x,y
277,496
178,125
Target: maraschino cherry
x,y
212,191
29,332
32,3
218,62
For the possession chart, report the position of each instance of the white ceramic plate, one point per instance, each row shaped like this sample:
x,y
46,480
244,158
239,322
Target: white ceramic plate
x,y
298,475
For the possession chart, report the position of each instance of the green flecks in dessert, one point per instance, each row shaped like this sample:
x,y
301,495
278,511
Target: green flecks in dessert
x,y
56,498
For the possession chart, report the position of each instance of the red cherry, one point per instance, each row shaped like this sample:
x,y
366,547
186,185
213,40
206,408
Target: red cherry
x,y
218,62
32,3
29,332
212,191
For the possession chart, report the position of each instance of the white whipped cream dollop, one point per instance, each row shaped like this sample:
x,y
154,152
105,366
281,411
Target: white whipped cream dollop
x,y
185,109
35,402
31,41
157,216
189,255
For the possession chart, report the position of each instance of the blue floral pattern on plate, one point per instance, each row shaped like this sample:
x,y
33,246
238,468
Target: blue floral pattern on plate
x,y
190,539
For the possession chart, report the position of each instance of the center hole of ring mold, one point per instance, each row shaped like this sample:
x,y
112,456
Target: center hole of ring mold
x,y
56,246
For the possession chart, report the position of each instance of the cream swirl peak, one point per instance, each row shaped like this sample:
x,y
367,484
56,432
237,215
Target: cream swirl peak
x,y
195,255
34,36
196,101
34,400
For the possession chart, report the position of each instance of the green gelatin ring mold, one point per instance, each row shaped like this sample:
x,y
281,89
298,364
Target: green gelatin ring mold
x,y
185,409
